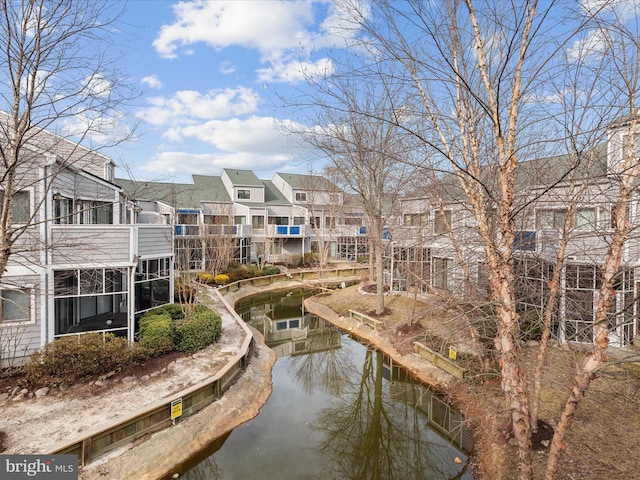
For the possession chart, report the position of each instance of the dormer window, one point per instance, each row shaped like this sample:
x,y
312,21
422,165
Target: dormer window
x,y
301,196
244,194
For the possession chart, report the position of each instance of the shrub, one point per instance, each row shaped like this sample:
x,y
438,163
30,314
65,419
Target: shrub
x,y
157,334
199,330
309,259
73,358
206,278
270,270
173,309
221,279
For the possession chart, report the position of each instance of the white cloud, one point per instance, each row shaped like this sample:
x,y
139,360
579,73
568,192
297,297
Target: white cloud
x,y
97,85
227,67
296,71
257,143
596,40
281,31
188,106
264,26
152,81
97,129
256,135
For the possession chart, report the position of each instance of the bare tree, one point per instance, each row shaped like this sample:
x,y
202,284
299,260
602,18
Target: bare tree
x,y
55,76
357,132
477,71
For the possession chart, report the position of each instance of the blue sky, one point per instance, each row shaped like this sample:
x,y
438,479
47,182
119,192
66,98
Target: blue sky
x,y
209,72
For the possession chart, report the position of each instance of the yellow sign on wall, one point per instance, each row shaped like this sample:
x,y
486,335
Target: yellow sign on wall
x,y
452,353
176,408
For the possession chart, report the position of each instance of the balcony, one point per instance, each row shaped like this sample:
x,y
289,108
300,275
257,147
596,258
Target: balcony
x,y
235,231
108,244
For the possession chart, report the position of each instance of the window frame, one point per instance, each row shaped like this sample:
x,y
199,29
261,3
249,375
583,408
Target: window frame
x,y
243,194
28,291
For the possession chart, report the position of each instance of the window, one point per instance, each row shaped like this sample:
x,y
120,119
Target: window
x,y
108,171
329,222
244,194
442,222
216,220
187,219
93,212
20,206
15,305
353,221
550,219
441,267
257,221
301,196
298,220
239,220
555,219
418,219
62,210
278,220
315,222
586,218
334,198
613,218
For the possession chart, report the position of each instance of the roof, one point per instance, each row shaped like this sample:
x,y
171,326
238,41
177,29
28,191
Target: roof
x,y
242,178
308,182
272,196
183,195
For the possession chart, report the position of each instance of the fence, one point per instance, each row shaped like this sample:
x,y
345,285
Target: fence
x,y
159,415
301,276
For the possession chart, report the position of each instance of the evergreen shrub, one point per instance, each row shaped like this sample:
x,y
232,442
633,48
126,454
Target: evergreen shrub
x,y
73,358
198,330
157,333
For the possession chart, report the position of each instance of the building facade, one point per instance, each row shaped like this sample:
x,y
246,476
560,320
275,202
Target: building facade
x,y
237,217
80,263
436,244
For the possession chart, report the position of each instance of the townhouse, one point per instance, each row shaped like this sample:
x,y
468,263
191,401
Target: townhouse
x,y
237,217
80,263
436,243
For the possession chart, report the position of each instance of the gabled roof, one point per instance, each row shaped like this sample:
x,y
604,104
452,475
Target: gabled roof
x,y
308,182
272,196
242,178
179,195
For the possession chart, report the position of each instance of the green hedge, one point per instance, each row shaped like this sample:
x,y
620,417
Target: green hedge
x,y
199,330
157,333
73,358
271,270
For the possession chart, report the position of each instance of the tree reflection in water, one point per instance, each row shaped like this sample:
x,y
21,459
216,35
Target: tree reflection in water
x,y
338,410
369,436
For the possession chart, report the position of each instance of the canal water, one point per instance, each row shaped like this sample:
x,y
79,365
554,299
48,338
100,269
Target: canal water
x,y
339,410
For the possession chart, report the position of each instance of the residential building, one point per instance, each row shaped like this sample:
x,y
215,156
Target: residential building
x,y
237,217
81,263
436,246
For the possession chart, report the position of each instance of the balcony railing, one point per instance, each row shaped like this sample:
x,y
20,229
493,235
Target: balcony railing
x,y
108,244
212,230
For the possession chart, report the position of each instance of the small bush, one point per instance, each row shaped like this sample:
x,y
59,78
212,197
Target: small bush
x,y
199,330
270,270
309,259
73,358
206,278
221,279
173,309
157,334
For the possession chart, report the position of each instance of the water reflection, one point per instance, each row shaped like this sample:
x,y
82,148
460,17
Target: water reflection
x,y
338,410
